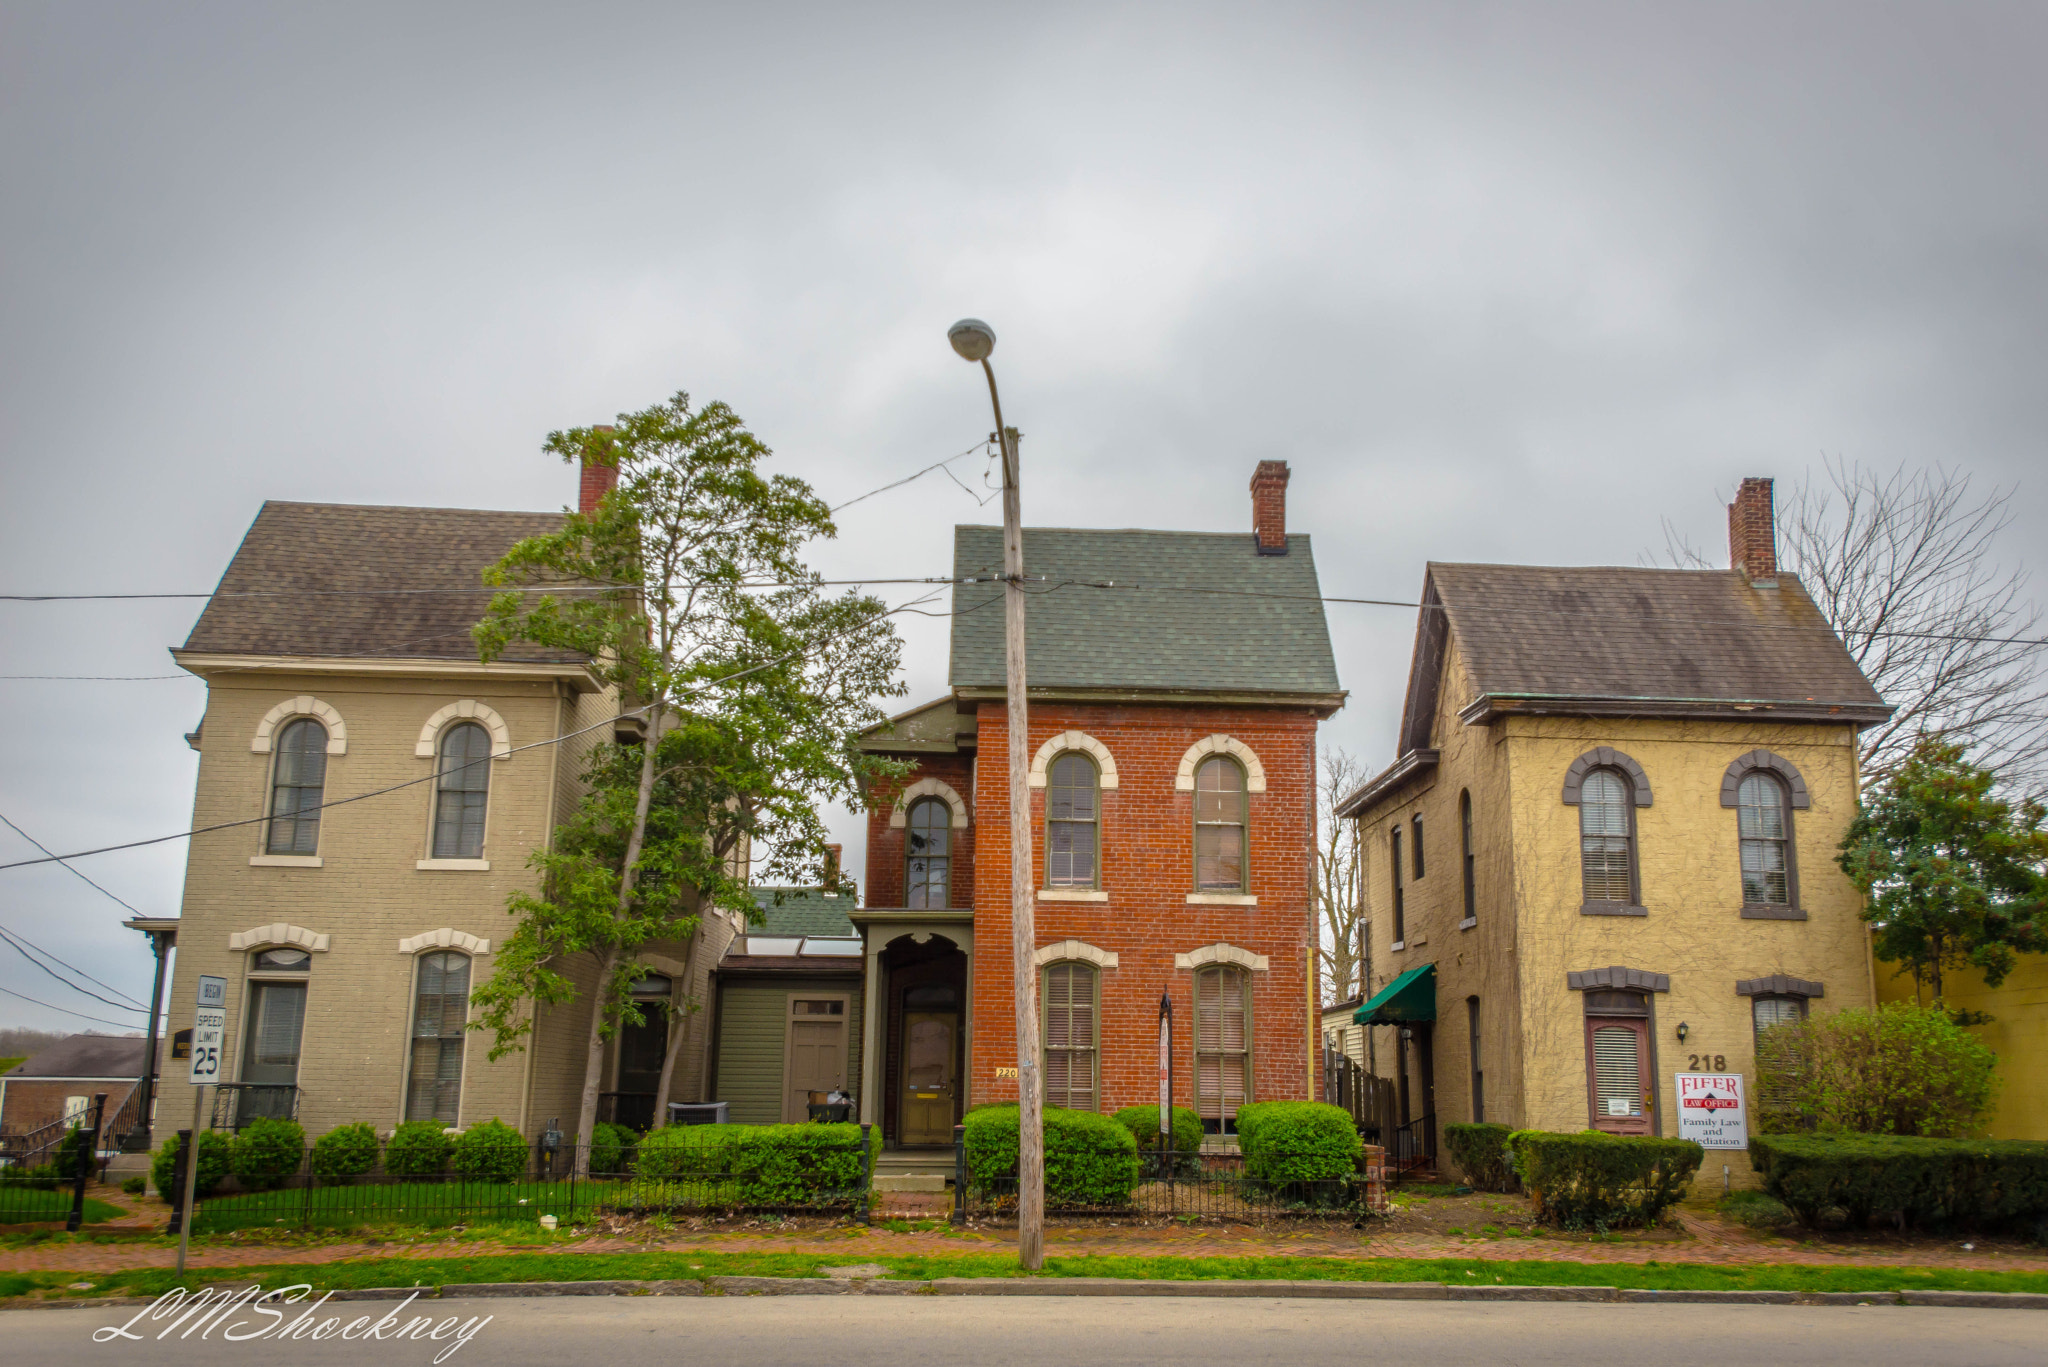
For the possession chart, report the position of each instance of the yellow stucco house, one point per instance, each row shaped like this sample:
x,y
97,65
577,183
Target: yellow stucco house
x,y
2017,1033
352,933
1605,851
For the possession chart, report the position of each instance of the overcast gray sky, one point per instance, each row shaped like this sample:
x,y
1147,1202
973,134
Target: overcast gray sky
x,y
1476,271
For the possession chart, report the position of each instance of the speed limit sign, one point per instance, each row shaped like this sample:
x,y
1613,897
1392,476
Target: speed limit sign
x,y
209,1027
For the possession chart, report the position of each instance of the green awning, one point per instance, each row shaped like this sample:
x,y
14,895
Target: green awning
x,y
1410,997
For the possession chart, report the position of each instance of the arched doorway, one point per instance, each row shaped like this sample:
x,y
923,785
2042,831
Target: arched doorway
x,y
925,1040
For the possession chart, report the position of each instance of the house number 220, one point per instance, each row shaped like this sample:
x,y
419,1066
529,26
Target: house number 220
x,y
1707,1063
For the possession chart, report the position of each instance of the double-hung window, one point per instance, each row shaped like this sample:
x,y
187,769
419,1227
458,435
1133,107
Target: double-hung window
x,y
1223,1035
1072,818
927,853
298,778
1071,1015
1764,829
440,1017
1219,826
462,792
1607,857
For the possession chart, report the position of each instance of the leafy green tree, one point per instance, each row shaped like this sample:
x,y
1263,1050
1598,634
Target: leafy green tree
x,y
1892,1069
687,591
1954,875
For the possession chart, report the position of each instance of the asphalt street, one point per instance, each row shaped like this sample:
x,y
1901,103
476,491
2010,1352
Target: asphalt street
x,y
920,1331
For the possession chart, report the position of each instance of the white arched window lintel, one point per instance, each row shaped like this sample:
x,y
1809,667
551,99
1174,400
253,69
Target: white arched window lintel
x,y
1105,763
1254,771
899,814
445,938
262,937
305,705
1075,951
1221,953
469,709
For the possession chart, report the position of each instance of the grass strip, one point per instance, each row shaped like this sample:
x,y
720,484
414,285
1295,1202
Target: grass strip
x,y
565,1267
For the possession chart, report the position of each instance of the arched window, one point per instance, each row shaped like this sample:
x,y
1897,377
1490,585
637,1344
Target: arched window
x,y
1072,808
1223,1045
1607,856
927,853
1764,831
462,789
440,1013
1468,860
1070,1035
1219,826
298,777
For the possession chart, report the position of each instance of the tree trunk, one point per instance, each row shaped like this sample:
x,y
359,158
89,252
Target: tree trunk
x,y
602,1012
678,1031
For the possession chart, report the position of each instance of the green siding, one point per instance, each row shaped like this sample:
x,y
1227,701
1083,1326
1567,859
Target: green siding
x,y
753,1017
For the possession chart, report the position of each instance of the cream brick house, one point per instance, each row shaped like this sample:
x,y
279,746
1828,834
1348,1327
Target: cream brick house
x,y
1605,851
339,665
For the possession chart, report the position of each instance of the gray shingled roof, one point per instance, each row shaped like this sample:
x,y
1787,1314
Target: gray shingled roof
x,y
1258,629
107,1056
803,911
1625,634
358,573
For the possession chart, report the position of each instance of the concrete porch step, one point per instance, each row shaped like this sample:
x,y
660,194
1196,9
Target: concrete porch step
x,y
909,1181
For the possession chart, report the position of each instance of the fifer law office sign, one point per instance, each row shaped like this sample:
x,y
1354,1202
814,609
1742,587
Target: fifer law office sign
x,y
1711,1110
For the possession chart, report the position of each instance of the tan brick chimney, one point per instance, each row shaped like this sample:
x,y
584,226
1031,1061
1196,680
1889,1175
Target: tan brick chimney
x,y
1269,507
1753,533
598,479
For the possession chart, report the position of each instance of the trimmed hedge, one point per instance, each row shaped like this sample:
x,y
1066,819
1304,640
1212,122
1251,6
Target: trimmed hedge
x,y
266,1152
345,1153
1297,1141
771,1165
491,1152
1143,1123
1481,1153
215,1149
1090,1159
417,1148
1991,1182
1603,1180
611,1146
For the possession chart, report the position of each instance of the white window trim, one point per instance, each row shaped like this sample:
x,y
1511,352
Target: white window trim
x,y
469,709
278,933
305,705
1254,772
1221,953
1076,951
1072,895
453,865
899,815
1223,899
444,938
1105,763
286,861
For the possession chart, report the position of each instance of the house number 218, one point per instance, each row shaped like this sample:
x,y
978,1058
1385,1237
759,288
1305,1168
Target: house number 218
x,y
1707,1063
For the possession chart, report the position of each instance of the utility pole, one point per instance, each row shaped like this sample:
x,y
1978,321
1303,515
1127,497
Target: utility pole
x,y
974,340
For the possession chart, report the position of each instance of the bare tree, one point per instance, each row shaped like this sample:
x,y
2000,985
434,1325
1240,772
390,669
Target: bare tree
x,y
1902,566
1340,871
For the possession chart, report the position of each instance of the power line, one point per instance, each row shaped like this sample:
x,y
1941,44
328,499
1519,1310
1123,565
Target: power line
x,y
410,783
76,874
18,996
16,946
936,465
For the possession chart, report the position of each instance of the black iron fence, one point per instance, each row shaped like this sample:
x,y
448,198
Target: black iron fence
x,y
53,1188
1413,1145
1177,1184
235,1104
576,1184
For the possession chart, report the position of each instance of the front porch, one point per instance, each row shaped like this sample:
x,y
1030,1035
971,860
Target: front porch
x,y
917,1036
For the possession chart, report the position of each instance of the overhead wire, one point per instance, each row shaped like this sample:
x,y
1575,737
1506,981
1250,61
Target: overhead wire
x,y
8,939
52,1006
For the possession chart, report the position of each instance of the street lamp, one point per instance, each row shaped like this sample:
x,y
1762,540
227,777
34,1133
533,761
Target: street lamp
x,y
974,340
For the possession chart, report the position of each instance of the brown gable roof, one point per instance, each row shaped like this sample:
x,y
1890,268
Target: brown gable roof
x,y
338,580
87,1056
1621,635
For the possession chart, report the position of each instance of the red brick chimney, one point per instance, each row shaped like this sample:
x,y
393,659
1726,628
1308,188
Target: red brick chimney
x,y
1753,533
1269,507
598,479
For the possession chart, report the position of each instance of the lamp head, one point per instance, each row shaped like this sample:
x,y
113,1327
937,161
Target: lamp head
x,y
972,338
1683,1031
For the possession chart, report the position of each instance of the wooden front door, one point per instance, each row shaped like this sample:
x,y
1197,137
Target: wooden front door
x,y
928,1077
1618,1061
816,1060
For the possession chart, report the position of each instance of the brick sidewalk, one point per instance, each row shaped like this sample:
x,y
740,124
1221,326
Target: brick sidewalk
x,y
1708,1240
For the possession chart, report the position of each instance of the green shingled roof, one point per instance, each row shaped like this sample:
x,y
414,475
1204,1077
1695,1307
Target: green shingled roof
x,y
804,911
1188,611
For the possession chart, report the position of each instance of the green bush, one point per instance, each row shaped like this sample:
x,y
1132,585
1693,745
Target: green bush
x,y
1090,1159
42,1177
1284,1142
1143,1123
266,1152
1757,1209
769,1165
418,1148
215,1152
1600,1180
1481,1153
491,1152
611,1145
135,1185
73,1149
345,1153
1895,1069
1988,1182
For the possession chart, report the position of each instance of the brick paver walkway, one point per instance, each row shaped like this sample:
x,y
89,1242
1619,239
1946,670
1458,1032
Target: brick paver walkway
x,y
1707,1240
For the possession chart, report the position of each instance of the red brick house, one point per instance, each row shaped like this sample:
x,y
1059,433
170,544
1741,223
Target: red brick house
x,y
1176,681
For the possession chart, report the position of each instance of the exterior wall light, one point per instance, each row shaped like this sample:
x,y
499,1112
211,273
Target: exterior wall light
x,y
1683,1031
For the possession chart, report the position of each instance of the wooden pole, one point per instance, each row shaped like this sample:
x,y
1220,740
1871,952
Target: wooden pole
x,y
1023,921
